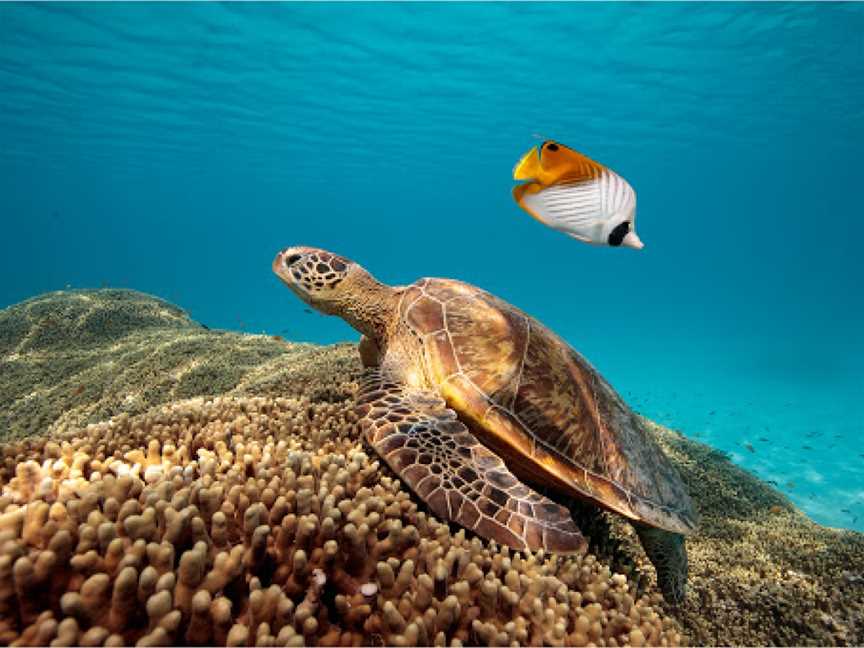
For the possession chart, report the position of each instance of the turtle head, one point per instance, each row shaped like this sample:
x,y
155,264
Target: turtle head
x,y
320,278
335,285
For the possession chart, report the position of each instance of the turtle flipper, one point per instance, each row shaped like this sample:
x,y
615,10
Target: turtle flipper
x,y
667,553
460,479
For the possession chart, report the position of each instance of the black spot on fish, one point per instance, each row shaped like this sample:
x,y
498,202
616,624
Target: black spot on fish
x,y
616,236
551,146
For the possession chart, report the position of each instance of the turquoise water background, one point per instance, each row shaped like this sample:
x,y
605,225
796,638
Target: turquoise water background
x,y
174,148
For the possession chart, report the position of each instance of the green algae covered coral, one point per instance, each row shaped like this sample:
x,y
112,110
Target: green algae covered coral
x,y
252,514
75,357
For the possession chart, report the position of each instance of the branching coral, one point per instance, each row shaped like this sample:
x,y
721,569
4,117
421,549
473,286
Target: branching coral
x,y
261,521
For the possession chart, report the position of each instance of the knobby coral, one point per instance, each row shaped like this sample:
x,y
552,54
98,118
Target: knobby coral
x,y
261,521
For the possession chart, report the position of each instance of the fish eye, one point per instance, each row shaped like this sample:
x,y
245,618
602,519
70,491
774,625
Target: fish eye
x,y
551,146
292,259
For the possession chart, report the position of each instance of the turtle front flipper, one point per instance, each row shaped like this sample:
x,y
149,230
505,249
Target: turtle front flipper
x,y
460,479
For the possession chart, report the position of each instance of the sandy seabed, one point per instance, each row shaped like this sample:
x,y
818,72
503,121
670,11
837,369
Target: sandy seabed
x,y
162,483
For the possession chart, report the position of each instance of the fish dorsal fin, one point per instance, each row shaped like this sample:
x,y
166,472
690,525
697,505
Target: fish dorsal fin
x,y
561,163
552,162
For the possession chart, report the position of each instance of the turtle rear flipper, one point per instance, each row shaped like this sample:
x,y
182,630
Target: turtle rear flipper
x,y
666,551
460,479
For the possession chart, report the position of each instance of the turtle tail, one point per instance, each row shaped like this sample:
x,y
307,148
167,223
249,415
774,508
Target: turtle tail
x,y
667,553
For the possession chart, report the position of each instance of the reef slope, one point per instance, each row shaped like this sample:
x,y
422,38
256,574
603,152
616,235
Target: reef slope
x,y
165,483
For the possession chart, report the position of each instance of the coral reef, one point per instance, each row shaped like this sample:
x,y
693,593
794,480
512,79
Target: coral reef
x,y
262,521
253,515
69,358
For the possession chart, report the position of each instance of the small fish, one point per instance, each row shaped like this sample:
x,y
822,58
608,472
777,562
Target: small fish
x,y
750,447
575,195
204,326
764,440
278,338
307,311
806,447
772,482
790,484
712,412
845,511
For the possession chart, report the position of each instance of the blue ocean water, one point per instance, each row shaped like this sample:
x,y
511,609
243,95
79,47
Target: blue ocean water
x,y
174,148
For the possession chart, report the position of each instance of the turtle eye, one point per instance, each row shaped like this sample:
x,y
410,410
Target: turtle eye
x,y
292,259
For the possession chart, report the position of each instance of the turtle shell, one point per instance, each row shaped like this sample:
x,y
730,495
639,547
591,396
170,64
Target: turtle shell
x,y
540,405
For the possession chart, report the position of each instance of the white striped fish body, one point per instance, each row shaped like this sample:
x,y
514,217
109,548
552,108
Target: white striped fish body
x,y
575,195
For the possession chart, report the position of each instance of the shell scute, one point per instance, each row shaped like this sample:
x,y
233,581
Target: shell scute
x,y
542,407
425,315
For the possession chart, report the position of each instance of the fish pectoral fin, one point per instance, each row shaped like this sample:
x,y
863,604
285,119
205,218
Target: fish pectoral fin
x,y
438,457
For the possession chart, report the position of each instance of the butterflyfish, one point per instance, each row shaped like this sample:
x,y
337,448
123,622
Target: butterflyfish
x,y
572,193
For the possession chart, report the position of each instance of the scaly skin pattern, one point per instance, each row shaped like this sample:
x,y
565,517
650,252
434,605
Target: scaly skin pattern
x,y
459,478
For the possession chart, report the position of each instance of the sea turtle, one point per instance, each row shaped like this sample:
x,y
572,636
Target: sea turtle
x,y
468,400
